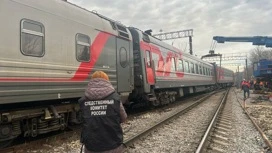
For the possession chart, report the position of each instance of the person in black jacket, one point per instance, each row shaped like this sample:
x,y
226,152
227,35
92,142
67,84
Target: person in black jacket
x,y
102,113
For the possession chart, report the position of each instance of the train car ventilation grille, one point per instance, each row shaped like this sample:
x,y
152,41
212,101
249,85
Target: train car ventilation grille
x,y
113,25
122,31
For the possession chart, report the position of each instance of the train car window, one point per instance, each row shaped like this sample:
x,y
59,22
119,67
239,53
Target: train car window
x,y
186,67
148,58
174,68
83,47
212,72
155,58
180,65
32,38
123,57
192,67
196,66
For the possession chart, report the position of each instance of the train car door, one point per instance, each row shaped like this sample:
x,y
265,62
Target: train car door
x,y
123,65
150,74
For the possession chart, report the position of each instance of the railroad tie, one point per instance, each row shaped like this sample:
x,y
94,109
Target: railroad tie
x,y
224,122
220,138
224,134
222,129
224,126
217,150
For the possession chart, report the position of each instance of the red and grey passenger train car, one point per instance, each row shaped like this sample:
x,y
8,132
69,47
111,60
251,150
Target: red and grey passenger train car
x,y
162,72
49,49
225,77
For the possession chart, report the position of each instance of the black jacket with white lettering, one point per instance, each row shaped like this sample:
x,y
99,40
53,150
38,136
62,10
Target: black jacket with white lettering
x,y
101,125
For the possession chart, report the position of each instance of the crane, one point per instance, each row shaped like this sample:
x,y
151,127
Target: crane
x,y
256,40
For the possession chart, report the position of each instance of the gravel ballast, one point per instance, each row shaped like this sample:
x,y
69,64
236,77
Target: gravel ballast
x,y
244,136
182,134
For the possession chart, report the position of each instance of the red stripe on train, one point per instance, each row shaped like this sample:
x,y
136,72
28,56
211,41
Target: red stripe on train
x,y
164,67
84,68
95,50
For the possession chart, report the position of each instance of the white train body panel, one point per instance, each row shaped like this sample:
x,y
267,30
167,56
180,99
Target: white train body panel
x,y
59,29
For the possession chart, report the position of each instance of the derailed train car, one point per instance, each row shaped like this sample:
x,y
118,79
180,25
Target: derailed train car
x,y
50,49
163,73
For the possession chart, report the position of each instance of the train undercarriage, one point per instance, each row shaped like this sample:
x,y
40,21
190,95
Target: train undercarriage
x,y
36,121
160,97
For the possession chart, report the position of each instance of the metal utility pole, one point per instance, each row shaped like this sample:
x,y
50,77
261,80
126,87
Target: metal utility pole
x,y
246,70
220,60
176,35
190,44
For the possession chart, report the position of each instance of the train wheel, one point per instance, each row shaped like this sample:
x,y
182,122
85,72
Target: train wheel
x,y
172,99
5,143
155,103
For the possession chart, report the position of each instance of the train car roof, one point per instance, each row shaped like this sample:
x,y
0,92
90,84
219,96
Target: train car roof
x,y
170,47
69,11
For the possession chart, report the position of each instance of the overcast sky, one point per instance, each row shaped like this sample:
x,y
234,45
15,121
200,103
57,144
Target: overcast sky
x,y
207,18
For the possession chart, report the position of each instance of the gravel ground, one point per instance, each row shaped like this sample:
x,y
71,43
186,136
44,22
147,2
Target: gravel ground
x,y
130,128
182,134
244,137
261,111
248,139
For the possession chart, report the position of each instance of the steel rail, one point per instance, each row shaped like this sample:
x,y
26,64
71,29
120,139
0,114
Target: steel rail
x,y
147,130
204,139
266,140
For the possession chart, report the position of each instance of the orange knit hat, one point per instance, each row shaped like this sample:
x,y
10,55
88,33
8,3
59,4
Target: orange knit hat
x,y
100,74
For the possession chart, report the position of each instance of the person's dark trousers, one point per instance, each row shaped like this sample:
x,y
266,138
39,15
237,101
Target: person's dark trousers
x,y
246,91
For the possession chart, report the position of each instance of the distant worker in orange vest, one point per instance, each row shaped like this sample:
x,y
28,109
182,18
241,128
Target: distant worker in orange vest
x,y
245,87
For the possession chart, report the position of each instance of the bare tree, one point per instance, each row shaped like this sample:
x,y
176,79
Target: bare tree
x,y
260,53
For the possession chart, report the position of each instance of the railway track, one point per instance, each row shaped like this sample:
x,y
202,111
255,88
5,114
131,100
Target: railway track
x,y
164,108
215,138
42,142
21,146
130,141
266,140
39,142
